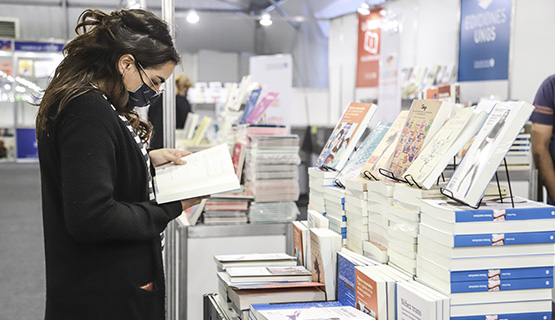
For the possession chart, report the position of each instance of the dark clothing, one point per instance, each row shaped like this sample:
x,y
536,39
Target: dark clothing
x,y
101,234
182,108
544,112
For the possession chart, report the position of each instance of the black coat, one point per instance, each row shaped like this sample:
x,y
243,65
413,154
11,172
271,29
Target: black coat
x,y
101,234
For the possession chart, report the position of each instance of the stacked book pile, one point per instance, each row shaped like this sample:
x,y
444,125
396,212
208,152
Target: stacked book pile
x,y
226,208
263,278
380,198
356,202
318,180
308,310
271,168
404,219
273,212
334,198
520,155
494,260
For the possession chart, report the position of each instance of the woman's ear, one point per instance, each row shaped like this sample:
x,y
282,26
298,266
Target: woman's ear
x,y
125,62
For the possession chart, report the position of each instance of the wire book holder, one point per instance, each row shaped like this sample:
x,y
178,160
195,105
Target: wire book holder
x,y
368,175
390,175
339,183
449,194
414,183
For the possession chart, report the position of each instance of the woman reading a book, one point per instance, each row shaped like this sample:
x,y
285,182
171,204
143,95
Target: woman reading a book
x,y
101,224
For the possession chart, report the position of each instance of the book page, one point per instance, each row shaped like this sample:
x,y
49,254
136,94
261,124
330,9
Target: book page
x,y
201,169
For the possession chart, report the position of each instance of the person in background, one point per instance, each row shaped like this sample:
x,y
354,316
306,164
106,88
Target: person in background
x,y
182,108
543,148
101,222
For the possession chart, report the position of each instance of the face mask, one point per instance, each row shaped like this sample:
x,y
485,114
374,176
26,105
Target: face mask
x,y
144,96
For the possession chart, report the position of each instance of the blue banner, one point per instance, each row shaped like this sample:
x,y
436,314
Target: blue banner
x,y
485,33
38,46
26,143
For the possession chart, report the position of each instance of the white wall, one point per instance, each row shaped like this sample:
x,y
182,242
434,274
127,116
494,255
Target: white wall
x,y
534,47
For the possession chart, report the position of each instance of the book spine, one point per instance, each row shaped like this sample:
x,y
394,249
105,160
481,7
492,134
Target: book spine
x,y
511,316
502,285
472,240
512,273
505,215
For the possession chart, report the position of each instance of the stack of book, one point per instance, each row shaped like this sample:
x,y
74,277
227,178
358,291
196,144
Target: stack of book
x,y
315,310
495,260
334,198
356,201
273,212
519,155
271,168
262,278
221,209
380,198
318,180
404,219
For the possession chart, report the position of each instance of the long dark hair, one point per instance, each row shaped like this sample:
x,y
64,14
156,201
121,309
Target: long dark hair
x,y
92,57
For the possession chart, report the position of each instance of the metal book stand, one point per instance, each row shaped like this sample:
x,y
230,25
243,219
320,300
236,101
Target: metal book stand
x,y
336,181
449,194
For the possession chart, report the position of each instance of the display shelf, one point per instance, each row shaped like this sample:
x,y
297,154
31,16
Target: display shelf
x,y
194,248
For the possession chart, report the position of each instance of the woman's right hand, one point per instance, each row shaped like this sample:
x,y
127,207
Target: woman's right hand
x,y
192,201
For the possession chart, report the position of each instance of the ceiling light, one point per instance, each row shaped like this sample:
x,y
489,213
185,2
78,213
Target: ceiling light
x,y
265,20
192,16
364,9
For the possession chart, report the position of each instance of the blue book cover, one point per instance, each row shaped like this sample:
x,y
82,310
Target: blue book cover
x,y
511,273
251,103
510,316
363,153
491,210
496,239
497,284
345,281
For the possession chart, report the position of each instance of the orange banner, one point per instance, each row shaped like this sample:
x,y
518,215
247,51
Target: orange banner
x,y
369,38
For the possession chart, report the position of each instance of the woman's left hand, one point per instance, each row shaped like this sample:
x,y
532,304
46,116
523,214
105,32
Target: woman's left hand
x,y
159,157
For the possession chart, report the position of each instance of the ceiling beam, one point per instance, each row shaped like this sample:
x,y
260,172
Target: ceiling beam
x,y
276,5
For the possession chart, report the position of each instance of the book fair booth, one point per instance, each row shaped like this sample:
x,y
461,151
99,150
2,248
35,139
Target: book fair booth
x,y
405,189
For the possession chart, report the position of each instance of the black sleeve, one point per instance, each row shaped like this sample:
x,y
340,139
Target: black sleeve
x,y
88,162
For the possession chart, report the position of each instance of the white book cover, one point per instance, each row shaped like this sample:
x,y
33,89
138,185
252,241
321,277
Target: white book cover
x,y
335,313
435,156
492,142
206,172
345,136
381,157
413,304
267,271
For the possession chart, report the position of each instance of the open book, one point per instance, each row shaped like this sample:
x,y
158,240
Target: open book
x,y
206,172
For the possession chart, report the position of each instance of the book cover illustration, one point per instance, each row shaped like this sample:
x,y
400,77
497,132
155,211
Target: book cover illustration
x,y
367,294
345,136
419,121
298,244
492,142
345,281
361,156
261,107
444,145
316,256
251,103
381,156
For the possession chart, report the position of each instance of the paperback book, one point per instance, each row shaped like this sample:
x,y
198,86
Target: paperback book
x,y
492,142
345,136
381,157
360,156
206,172
424,120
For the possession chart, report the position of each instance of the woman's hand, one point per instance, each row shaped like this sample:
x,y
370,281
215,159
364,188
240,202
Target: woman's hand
x,y
159,157
191,202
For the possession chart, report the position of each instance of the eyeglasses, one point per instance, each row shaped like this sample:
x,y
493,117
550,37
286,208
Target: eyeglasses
x,y
159,88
